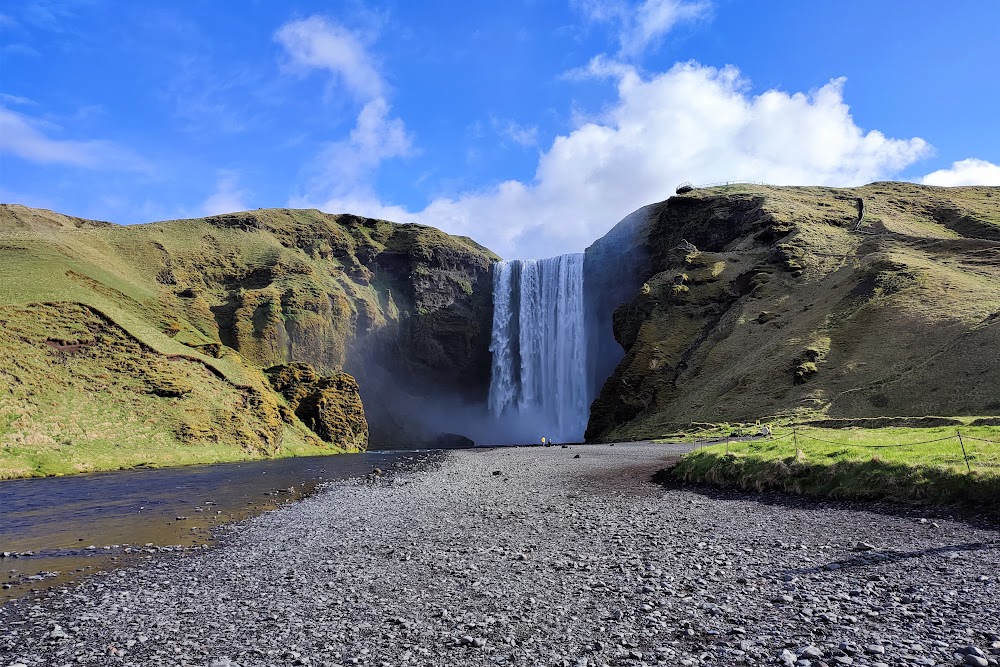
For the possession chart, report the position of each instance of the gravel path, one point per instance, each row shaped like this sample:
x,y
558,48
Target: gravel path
x,y
535,557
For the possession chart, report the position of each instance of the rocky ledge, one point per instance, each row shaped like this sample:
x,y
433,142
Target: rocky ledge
x,y
537,557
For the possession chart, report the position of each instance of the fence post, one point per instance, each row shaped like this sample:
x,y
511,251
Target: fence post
x,y
795,440
964,455
727,445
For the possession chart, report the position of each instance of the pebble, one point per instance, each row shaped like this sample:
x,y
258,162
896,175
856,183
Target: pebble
x,y
582,564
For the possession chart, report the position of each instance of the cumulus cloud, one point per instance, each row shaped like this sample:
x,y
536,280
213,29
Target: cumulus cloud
x,y
227,198
28,138
642,26
965,172
691,123
340,173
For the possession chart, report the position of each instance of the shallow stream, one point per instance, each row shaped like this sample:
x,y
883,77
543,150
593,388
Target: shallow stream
x,y
54,530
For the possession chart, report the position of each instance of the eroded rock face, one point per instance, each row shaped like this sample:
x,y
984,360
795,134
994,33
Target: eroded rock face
x,y
768,302
614,267
329,405
405,309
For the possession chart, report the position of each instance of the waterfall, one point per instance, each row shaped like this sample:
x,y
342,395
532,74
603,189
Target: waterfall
x,y
538,382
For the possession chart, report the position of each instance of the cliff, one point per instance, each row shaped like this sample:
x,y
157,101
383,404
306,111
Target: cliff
x,y
85,306
770,301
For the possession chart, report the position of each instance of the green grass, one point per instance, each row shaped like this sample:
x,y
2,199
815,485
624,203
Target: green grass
x,y
106,402
902,464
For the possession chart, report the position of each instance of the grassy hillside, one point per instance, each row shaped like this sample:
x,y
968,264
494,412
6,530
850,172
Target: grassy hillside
x,y
776,306
146,344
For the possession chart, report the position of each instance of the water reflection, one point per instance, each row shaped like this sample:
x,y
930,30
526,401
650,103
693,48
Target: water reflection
x,y
52,530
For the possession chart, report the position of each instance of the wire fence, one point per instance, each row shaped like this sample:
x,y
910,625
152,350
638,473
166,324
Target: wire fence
x,y
800,435
725,183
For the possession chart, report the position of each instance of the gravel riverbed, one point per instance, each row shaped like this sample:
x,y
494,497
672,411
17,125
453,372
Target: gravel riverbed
x,y
541,556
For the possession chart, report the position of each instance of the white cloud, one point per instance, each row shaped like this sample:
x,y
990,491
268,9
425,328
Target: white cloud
x,y
16,99
227,198
642,26
522,135
691,123
317,43
340,174
342,170
376,136
965,172
26,138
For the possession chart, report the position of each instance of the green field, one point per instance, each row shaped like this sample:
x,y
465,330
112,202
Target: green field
x,y
895,463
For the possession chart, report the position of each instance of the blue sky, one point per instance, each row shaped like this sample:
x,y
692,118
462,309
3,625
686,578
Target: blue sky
x,y
532,126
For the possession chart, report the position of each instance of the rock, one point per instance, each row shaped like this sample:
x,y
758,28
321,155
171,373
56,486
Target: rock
x,y
874,649
329,405
449,441
684,298
811,652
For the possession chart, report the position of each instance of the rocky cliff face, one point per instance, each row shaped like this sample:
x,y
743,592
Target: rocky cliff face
x,y
765,301
614,267
404,308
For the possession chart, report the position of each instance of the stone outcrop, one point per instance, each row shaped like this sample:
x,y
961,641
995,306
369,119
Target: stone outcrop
x,y
406,309
329,405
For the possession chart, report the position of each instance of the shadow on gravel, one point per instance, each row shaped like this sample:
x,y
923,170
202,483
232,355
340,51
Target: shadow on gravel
x,y
626,478
963,514
869,558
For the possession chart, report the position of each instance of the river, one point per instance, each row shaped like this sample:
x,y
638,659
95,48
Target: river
x,y
54,530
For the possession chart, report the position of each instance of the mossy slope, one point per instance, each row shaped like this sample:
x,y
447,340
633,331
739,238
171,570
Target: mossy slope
x,y
227,295
764,301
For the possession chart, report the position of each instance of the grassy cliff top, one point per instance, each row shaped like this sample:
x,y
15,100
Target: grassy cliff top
x,y
132,273
786,309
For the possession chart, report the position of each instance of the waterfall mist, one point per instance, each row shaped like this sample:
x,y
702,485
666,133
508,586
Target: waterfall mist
x,y
538,383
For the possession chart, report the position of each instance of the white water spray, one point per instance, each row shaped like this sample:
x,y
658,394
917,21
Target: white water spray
x,y
538,381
